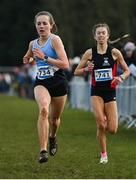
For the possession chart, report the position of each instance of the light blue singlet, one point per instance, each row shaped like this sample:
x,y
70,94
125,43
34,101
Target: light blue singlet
x,y
45,70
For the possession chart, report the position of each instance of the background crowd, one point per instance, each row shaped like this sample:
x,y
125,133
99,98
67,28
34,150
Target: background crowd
x,y
19,80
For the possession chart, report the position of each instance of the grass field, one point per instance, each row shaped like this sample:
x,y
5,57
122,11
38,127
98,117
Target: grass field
x,y
78,154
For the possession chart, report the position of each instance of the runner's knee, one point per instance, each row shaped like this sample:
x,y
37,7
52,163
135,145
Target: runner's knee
x,y
101,124
112,130
54,120
44,112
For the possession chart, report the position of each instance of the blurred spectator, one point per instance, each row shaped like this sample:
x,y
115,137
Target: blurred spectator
x,y
4,84
23,82
74,63
129,52
69,73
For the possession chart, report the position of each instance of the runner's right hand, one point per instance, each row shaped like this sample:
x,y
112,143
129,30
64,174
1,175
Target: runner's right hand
x,y
90,66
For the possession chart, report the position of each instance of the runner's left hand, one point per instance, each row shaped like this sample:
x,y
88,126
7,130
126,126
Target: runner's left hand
x,y
116,80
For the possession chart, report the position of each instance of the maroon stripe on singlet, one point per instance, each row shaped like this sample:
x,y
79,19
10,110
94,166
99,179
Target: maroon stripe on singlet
x,y
93,80
114,73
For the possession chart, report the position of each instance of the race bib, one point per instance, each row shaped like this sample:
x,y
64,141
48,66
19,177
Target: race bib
x,y
45,72
103,74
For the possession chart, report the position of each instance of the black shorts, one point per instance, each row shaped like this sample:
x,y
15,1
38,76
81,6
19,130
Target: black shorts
x,y
57,86
107,95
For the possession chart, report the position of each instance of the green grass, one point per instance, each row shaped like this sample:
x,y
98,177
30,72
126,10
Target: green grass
x,y
78,154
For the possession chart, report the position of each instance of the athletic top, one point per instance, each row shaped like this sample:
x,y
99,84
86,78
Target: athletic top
x,y
44,69
105,68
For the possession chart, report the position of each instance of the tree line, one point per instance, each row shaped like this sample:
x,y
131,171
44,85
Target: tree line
x,y
74,18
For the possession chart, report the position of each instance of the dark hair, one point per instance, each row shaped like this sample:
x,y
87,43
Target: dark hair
x,y
100,25
51,19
